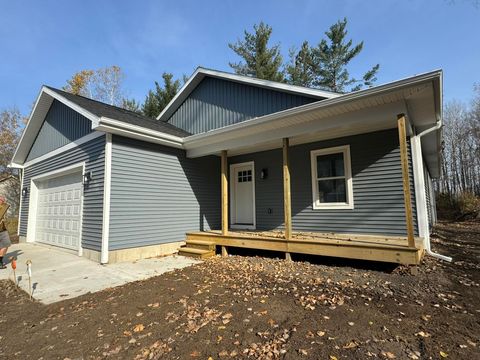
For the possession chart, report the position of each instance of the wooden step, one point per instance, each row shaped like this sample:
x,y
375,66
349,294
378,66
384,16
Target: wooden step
x,y
201,244
195,253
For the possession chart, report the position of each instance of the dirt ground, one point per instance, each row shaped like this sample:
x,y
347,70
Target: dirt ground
x,y
262,307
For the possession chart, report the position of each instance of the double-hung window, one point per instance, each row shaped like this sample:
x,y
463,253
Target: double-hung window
x,y
332,178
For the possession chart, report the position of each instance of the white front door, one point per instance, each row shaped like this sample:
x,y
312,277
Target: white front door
x,y
59,211
242,195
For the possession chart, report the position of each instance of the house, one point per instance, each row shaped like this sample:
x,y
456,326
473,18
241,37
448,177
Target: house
x,y
9,189
236,161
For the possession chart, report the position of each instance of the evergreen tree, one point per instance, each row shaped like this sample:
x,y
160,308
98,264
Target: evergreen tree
x,y
301,70
156,100
131,105
259,60
332,55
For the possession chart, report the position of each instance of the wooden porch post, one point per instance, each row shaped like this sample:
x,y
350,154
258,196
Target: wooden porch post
x,y
402,135
287,206
224,181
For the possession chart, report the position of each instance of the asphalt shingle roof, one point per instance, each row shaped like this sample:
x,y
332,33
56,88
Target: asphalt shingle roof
x,y
113,112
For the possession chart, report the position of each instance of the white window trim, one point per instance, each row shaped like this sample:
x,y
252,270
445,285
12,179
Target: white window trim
x,y
316,204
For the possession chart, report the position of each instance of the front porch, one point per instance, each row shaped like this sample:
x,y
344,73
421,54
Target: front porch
x,y
392,249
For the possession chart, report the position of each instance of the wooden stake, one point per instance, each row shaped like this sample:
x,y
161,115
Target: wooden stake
x,y
224,251
402,136
287,206
29,271
224,194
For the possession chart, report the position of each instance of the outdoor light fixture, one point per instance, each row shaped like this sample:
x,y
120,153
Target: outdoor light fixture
x,y
24,191
87,177
264,174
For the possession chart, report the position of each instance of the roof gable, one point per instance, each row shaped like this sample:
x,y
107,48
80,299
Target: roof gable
x,y
102,117
201,73
62,125
216,103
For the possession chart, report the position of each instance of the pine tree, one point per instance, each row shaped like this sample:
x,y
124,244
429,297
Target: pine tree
x,y
259,60
131,105
156,100
332,55
301,70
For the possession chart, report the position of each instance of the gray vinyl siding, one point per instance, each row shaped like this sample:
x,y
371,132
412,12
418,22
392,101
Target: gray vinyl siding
x,y
62,125
430,196
377,187
93,153
157,194
217,103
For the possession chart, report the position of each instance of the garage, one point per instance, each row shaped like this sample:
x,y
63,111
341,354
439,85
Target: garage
x,y
59,210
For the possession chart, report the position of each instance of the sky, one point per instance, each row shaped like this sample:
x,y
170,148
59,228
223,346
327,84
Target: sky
x,y
46,42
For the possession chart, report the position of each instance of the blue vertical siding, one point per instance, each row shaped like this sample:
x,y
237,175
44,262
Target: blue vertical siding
x,y
93,153
217,103
157,194
61,126
377,187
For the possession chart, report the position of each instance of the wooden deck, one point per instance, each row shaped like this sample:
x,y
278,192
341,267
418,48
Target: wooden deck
x,y
353,246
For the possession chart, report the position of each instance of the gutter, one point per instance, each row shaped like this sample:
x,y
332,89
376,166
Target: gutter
x,y
133,131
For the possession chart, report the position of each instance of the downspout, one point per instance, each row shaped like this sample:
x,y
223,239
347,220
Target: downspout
x,y
428,247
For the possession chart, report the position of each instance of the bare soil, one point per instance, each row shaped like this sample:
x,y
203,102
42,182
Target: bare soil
x,y
262,307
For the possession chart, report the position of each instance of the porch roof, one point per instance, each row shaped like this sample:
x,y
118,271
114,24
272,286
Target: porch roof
x,y
418,97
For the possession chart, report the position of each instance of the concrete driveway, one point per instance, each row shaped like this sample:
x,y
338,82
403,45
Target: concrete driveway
x,y
59,275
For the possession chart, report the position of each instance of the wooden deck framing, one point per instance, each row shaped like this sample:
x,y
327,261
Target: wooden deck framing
x,y
365,247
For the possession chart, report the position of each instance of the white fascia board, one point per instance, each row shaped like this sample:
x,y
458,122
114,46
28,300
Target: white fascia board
x,y
199,139
200,74
27,138
138,132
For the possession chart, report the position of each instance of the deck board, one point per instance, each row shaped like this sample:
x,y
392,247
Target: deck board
x,y
354,246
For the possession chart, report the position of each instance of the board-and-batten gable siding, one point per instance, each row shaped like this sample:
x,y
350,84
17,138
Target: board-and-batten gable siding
x,y
93,153
158,194
377,187
62,125
216,103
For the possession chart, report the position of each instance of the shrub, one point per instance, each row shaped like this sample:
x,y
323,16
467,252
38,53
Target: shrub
x,y
458,207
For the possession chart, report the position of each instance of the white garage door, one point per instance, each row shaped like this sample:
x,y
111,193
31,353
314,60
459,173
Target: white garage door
x,y
59,211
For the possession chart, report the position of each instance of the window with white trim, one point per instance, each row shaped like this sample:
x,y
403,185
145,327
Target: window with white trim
x,y
332,178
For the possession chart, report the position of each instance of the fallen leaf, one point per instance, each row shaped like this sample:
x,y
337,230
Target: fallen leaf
x,y
443,354
138,328
350,345
388,355
422,334
320,333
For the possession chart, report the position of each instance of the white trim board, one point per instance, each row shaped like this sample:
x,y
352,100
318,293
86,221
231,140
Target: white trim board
x,y
106,200
233,196
419,185
347,166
